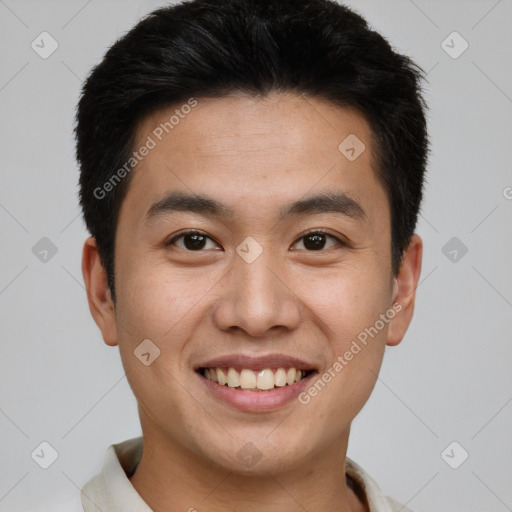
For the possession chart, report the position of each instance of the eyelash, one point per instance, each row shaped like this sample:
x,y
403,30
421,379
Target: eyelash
x,y
305,235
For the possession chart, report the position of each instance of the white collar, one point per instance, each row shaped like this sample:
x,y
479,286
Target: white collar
x,y
112,491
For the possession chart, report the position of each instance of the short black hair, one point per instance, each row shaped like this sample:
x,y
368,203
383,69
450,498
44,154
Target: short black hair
x,y
213,48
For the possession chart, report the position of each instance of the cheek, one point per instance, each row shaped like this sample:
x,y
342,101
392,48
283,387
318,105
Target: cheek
x,y
153,301
350,304
347,302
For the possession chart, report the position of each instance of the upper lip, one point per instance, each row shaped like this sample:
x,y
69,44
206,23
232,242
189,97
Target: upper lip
x,y
257,362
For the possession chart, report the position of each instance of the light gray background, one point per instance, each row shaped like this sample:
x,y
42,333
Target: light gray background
x,y
449,380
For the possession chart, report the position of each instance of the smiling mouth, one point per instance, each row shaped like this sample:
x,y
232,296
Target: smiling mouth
x,y
244,379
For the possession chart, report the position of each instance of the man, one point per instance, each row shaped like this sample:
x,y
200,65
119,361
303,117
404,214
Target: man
x,y
251,176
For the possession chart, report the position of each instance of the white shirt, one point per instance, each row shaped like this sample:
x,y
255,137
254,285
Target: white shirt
x,y
112,491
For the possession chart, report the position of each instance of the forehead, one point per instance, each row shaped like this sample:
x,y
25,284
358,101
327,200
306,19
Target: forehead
x,y
248,152
240,123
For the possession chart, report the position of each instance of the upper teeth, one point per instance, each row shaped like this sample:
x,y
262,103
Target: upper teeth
x,y
248,379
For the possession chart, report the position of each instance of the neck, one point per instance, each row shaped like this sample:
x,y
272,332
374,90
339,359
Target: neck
x,y
170,478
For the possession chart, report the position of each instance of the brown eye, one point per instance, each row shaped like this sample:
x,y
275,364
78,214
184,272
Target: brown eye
x,y
317,241
191,241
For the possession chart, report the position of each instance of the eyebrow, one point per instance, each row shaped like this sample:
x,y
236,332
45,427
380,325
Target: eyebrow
x,y
326,202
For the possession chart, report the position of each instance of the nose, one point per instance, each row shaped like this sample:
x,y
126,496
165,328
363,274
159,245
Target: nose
x,y
257,298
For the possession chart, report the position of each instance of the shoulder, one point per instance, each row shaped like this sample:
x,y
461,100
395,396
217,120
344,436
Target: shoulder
x,y
376,500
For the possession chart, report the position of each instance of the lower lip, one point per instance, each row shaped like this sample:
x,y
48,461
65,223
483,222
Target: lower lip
x,y
257,401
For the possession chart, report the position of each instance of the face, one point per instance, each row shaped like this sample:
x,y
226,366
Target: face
x,y
251,288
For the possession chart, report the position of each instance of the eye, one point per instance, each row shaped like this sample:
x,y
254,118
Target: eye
x,y
193,240
315,240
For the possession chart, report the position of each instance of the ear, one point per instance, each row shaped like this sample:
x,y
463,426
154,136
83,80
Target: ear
x,y
404,291
100,301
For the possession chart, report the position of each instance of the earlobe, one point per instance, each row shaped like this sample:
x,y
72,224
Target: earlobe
x,y
99,297
404,290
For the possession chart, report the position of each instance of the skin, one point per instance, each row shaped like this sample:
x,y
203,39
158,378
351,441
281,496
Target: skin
x,y
254,156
